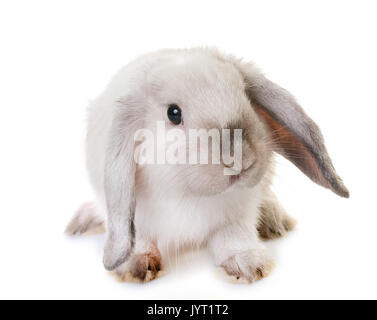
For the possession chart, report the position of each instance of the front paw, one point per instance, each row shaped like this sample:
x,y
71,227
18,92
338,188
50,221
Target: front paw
x,y
142,267
248,266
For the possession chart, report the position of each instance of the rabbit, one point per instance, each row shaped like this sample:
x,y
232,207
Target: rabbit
x,y
146,208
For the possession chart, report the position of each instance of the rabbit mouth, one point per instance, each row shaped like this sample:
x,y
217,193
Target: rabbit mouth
x,y
246,178
237,179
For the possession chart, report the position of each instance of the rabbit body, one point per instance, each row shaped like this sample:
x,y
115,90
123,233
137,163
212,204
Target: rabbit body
x,y
156,208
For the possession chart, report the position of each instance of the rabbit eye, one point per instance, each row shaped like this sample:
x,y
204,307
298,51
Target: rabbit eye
x,y
175,114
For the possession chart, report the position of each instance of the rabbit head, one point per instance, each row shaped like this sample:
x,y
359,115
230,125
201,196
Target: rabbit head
x,y
198,89
210,96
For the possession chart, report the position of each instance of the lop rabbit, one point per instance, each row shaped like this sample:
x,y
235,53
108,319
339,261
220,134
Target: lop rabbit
x,y
151,206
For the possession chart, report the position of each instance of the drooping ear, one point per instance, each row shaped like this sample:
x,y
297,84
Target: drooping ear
x,y
296,136
120,170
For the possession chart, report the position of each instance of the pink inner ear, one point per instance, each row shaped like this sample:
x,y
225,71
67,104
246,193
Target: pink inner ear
x,y
292,148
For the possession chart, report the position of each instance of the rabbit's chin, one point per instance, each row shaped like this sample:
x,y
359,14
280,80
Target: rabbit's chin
x,y
229,184
223,183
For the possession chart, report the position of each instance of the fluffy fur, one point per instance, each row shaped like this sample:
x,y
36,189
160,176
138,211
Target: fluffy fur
x,y
152,209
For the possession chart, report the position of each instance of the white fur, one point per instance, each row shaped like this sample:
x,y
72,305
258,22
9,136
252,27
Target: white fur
x,y
185,205
153,209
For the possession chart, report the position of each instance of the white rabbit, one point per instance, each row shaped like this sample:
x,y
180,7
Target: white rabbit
x,y
152,206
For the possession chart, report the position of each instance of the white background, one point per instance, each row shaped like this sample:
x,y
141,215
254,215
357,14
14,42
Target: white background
x,y
57,55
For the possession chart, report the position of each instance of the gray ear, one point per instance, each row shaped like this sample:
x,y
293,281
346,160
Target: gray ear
x,y
120,169
296,136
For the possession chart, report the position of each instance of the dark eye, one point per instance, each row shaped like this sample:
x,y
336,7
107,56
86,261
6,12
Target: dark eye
x,y
175,114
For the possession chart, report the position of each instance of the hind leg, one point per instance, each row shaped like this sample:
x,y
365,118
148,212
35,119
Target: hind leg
x,y
87,220
274,222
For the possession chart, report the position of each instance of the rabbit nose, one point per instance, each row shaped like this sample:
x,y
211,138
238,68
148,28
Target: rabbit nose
x,y
248,157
